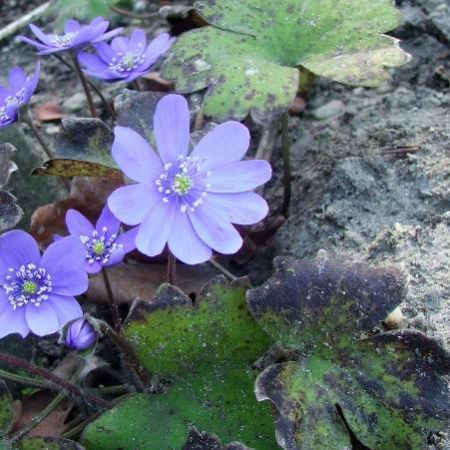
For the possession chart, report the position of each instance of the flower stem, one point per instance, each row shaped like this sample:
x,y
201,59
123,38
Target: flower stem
x,y
222,269
142,376
25,117
171,268
85,85
27,381
285,151
77,429
112,303
54,379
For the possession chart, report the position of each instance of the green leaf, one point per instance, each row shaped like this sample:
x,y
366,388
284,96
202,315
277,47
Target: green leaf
x,y
390,387
83,149
10,211
206,350
48,443
248,59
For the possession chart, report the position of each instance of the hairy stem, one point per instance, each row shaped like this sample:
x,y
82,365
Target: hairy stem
x,y
85,85
22,379
55,380
171,268
25,117
222,269
285,151
112,303
142,376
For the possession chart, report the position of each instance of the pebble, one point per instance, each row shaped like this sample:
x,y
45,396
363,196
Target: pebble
x,y
331,109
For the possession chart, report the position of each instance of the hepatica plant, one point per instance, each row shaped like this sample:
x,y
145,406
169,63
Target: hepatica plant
x,y
301,362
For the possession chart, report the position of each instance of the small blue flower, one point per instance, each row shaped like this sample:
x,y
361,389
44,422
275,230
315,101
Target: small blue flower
x,y
188,201
80,335
76,36
127,58
18,93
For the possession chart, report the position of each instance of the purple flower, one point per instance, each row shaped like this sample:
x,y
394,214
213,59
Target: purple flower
x,y
75,37
104,246
187,201
80,335
19,92
127,58
37,292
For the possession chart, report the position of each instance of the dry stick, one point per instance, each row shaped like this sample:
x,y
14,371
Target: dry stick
x,y
285,151
126,13
85,85
112,303
142,376
54,379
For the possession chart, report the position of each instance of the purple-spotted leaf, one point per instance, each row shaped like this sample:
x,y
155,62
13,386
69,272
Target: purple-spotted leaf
x,y
48,443
83,148
389,388
248,59
10,211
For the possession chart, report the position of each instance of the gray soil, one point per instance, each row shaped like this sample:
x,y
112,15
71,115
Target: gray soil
x,y
372,171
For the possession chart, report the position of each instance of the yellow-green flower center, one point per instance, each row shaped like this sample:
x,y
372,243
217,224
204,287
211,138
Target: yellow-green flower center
x,y
182,184
98,248
129,60
29,287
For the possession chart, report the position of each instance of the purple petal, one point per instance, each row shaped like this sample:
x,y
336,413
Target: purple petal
x,y
109,221
4,302
171,127
108,35
51,51
92,268
131,204
70,282
217,234
13,321
134,156
64,255
92,62
225,144
45,39
29,41
155,229
17,248
185,244
244,208
17,79
105,52
65,308
128,240
115,258
239,177
41,319
31,83
156,48
119,45
137,38
71,26
77,224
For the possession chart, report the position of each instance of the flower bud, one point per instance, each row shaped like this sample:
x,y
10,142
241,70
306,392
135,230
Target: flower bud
x,y
80,335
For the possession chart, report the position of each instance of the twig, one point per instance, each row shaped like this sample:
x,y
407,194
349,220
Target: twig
x,y
112,303
142,377
222,269
126,13
85,85
54,379
80,427
267,141
285,151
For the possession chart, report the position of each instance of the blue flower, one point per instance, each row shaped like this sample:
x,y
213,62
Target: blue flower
x,y
80,335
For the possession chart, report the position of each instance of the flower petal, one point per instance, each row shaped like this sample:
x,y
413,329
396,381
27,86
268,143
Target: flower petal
x,y
244,208
41,319
155,229
131,204
45,39
137,39
115,258
109,221
77,224
239,177
219,235
105,52
16,79
171,127
13,321
156,48
70,282
128,240
108,35
71,25
92,268
65,308
92,63
134,156
64,255
17,248
225,144
184,242
29,41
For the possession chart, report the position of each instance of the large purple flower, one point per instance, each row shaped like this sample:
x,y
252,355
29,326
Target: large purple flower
x,y
37,293
188,201
18,93
127,58
75,37
104,245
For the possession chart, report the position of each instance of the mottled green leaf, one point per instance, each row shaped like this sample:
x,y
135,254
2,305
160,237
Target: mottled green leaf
x,y
391,387
83,148
10,211
248,58
6,409
48,443
206,350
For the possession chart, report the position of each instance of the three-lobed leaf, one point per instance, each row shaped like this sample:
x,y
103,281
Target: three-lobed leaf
x,y
248,58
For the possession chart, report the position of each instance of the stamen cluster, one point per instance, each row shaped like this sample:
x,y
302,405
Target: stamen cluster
x,y
100,246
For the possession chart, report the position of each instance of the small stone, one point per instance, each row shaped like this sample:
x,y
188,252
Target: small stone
x,y
331,109
75,103
395,319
